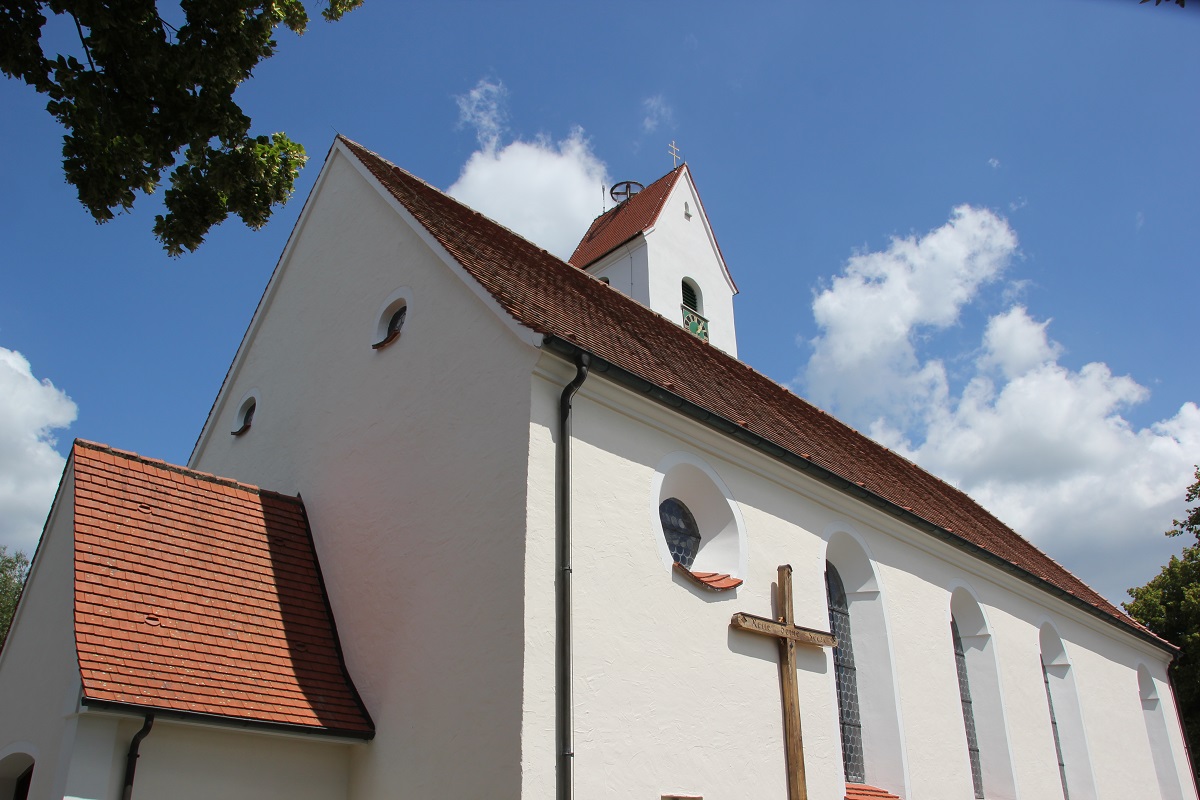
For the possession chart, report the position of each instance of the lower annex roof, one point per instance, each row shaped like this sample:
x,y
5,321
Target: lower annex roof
x,y
197,595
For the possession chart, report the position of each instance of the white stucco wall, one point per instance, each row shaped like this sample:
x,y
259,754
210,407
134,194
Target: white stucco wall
x,y
626,270
181,761
669,700
39,673
187,762
411,461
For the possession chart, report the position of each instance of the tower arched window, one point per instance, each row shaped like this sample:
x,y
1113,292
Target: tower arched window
x,y
691,298
968,709
845,677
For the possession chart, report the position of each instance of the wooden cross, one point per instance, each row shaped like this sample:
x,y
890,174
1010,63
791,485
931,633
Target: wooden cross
x,y
788,634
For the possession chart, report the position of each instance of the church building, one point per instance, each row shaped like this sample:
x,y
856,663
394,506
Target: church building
x,y
469,521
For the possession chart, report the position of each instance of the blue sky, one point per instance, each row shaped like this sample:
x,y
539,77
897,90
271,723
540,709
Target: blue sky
x,y
965,228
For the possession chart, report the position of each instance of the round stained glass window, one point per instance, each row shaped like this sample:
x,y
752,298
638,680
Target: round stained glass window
x,y
680,530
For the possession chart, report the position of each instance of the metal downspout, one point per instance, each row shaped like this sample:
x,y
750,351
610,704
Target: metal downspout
x,y
564,686
132,756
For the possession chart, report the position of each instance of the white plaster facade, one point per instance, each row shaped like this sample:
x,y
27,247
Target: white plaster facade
x,y
427,469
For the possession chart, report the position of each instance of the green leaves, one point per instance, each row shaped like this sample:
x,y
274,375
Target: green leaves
x,y
1191,522
143,98
247,179
13,569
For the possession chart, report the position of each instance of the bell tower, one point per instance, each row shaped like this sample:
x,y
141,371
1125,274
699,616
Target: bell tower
x,y
657,246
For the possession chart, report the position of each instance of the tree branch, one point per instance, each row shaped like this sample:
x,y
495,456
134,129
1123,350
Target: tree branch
x,y
87,51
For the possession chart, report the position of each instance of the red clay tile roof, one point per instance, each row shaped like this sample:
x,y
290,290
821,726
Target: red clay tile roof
x,y
713,581
621,223
199,595
552,298
860,791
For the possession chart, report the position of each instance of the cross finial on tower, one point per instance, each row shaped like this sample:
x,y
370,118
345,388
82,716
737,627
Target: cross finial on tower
x,y
674,152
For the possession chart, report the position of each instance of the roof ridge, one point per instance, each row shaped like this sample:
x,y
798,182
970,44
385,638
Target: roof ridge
x,y
353,144
682,164
166,466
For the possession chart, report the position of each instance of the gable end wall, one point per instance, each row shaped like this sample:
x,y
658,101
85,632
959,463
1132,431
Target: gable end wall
x,y
411,463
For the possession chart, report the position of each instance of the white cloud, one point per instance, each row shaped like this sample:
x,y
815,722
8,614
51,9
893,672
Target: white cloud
x,y
30,410
1044,447
1139,220
1015,343
547,191
657,112
865,361
482,108
994,163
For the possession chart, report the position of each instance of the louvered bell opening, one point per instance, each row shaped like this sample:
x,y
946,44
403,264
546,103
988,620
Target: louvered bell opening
x,y
689,297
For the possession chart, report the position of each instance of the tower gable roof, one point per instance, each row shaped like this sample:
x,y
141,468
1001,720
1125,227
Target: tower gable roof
x,y
624,221
565,303
202,597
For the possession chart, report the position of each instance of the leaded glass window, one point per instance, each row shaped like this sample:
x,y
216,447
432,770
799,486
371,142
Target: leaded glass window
x,y
845,677
964,695
1062,767
680,530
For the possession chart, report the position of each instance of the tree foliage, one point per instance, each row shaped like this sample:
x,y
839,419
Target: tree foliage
x,y
141,96
13,569
1169,605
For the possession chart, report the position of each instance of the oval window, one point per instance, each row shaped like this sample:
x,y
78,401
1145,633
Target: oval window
x,y
246,416
680,530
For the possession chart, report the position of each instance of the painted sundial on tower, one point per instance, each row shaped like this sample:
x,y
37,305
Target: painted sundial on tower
x,y
620,192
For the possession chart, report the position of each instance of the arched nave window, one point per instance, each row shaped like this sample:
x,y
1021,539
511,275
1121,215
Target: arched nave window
x,y
872,743
1156,730
988,751
1066,719
16,774
845,677
964,697
1062,766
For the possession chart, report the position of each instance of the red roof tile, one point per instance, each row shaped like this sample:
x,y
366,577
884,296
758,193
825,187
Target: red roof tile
x,y
621,223
196,594
552,298
860,791
713,581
